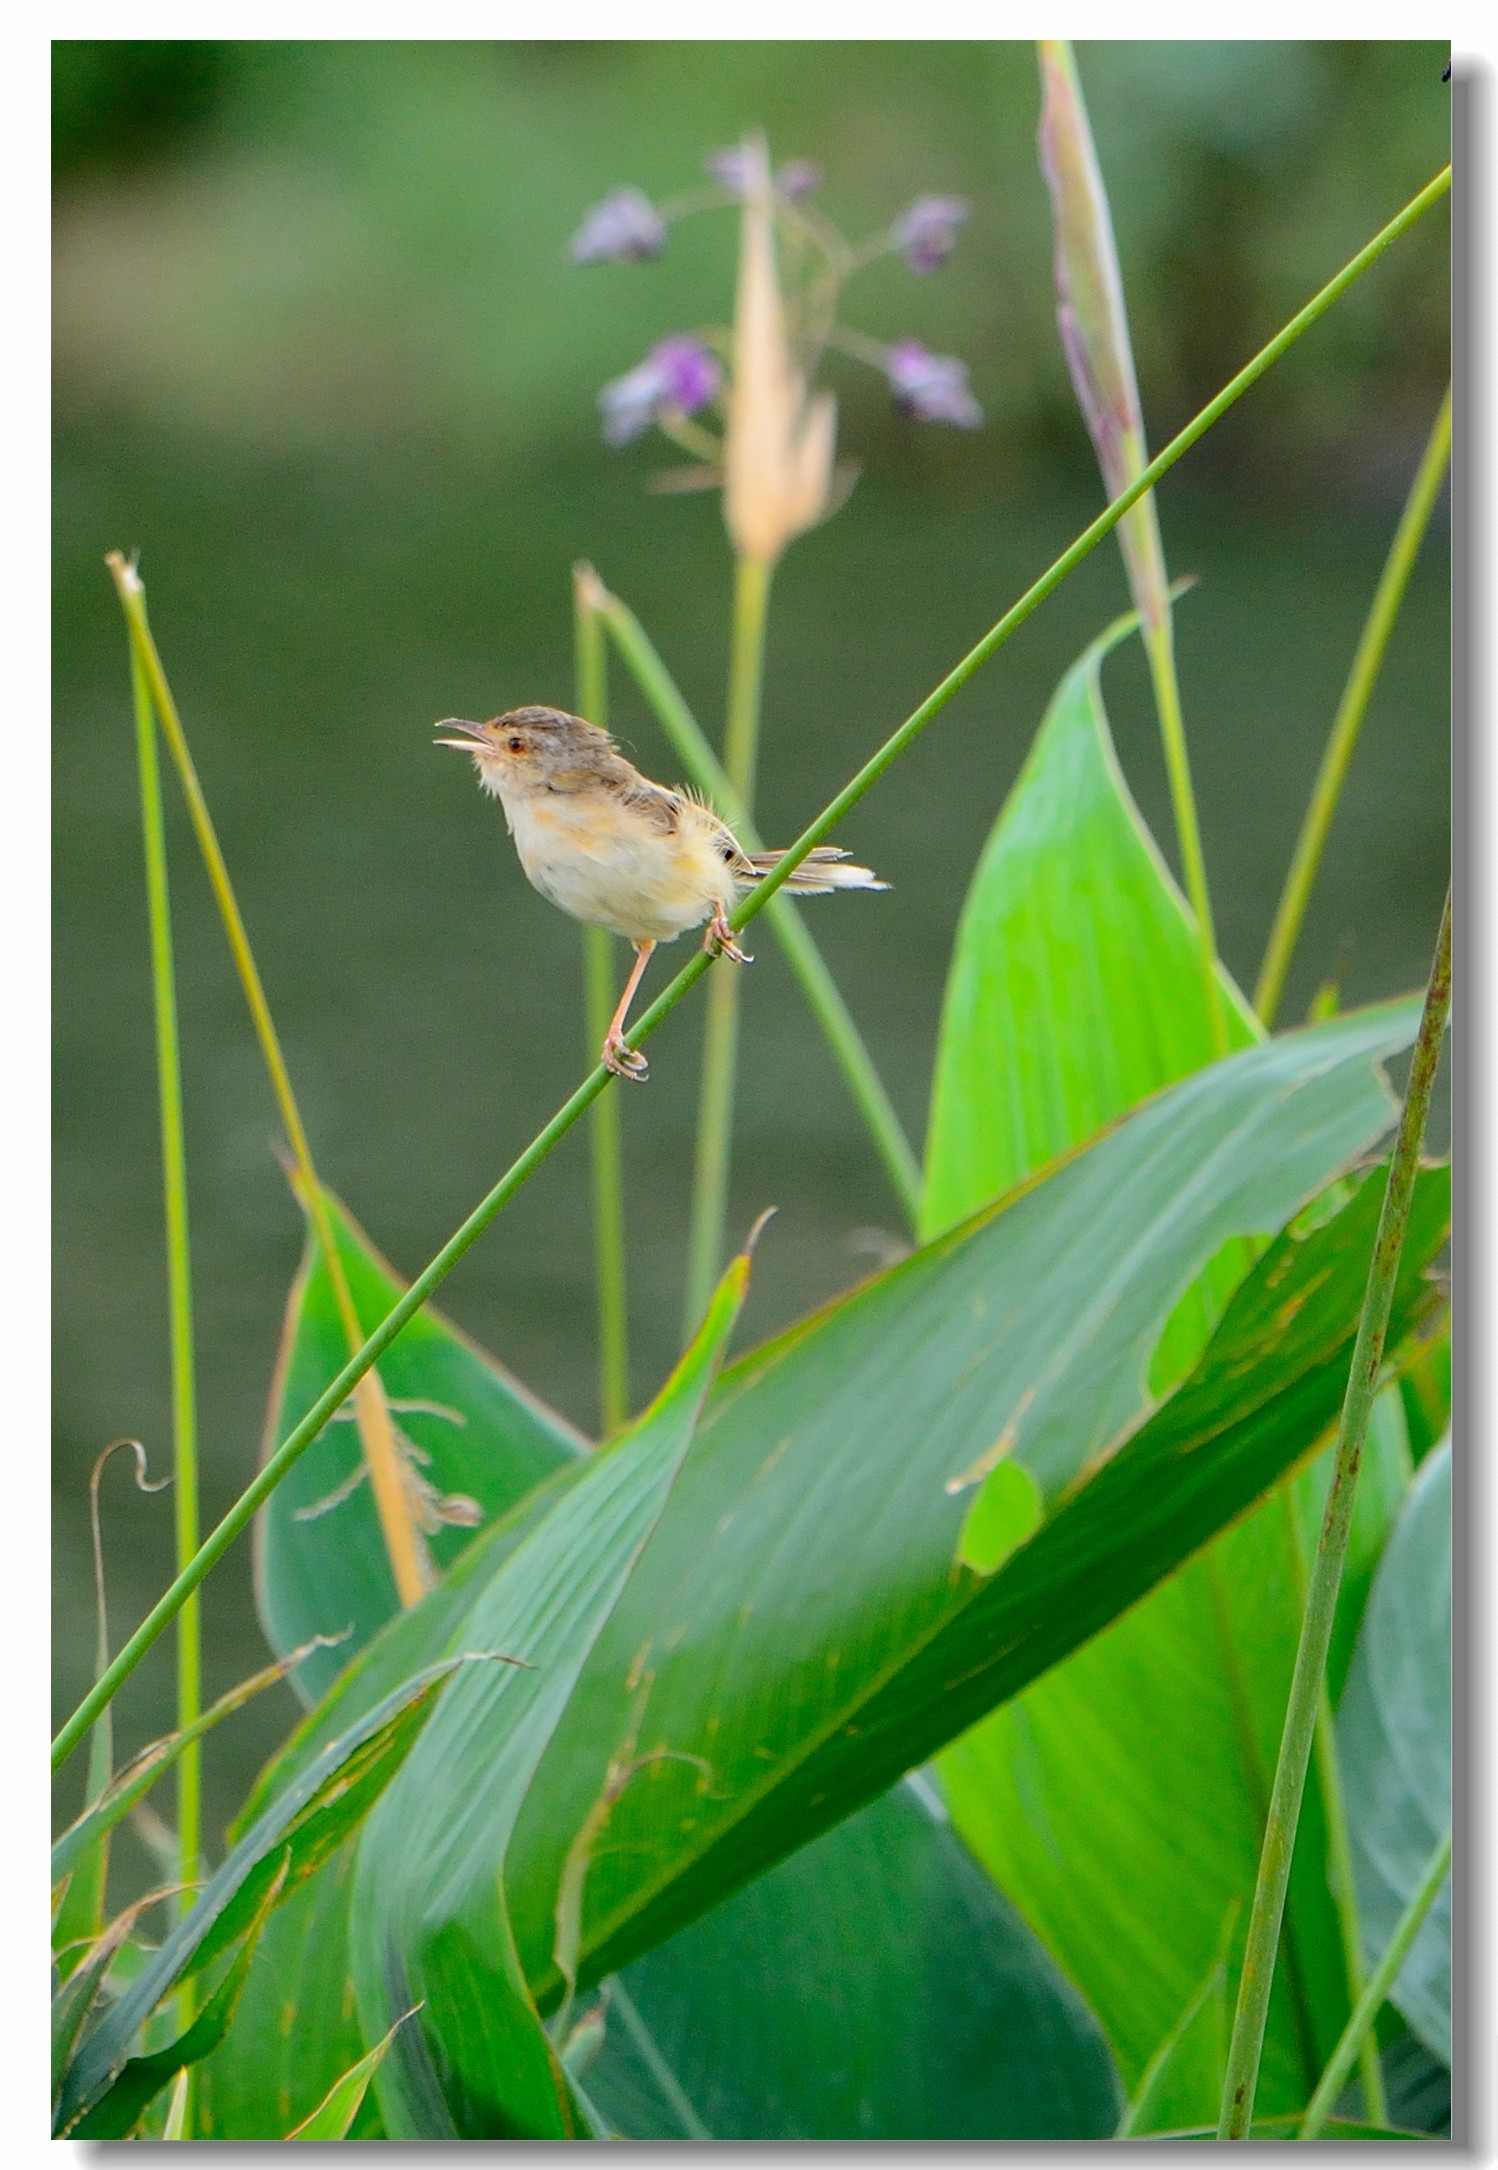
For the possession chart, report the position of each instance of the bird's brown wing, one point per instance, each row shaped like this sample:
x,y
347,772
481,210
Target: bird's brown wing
x,y
660,807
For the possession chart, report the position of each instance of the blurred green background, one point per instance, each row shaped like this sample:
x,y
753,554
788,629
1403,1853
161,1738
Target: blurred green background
x,y
322,359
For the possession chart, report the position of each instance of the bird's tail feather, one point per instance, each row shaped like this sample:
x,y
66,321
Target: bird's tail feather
x,y
824,869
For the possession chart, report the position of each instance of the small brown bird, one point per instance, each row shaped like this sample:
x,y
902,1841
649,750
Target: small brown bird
x,y
617,851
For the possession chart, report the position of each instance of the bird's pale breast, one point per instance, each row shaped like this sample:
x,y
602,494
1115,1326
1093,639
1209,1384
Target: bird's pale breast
x,y
606,865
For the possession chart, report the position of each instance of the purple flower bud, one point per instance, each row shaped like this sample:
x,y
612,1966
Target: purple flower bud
x,y
926,234
625,228
730,167
797,178
931,387
677,377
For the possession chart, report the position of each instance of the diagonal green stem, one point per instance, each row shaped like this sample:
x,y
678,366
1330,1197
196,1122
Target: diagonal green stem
x,y
520,1171
376,1432
1366,665
751,600
1246,2047
179,1279
600,995
823,995
1359,2028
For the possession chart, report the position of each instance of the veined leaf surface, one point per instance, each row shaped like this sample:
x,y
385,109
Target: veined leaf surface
x,y
1075,992
429,1918
1076,983
875,1986
804,1631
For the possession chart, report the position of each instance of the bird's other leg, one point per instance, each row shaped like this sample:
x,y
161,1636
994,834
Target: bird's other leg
x,y
719,940
627,1061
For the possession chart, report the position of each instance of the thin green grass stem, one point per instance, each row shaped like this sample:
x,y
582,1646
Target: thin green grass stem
x,y
1159,647
823,995
1372,645
1359,2028
600,993
751,601
1308,1679
1339,1874
521,1170
376,1431
179,1291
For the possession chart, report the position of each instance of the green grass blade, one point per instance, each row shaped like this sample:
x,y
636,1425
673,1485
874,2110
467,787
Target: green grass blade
x,y
600,994
407,1560
1367,662
1360,2026
341,2105
1249,2019
154,1761
520,1171
179,1290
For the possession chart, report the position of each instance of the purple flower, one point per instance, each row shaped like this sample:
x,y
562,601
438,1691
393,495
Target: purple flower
x,y
677,377
625,228
926,234
730,167
931,387
797,178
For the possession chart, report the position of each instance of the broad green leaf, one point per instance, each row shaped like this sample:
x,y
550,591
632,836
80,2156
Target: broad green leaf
x,y
797,1621
334,2116
1075,989
874,1986
296,2029
117,2112
1073,1794
1183,2080
1075,992
478,1435
296,2033
429,1918
305,1823
798,1616
1394,1734
1426,1389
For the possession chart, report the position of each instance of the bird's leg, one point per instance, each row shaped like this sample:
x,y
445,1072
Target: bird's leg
x,y
627,1061
719,942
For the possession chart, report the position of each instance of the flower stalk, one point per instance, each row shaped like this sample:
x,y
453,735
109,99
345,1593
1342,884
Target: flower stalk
x,y
398,1317
1246,2046
1094,327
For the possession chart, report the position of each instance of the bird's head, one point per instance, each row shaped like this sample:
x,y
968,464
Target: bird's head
x,y
529,748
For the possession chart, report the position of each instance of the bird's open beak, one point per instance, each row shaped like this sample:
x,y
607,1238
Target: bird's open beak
x,y
457,723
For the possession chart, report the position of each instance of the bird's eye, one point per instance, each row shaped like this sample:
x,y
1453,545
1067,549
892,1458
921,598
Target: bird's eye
x,y
517,745
726,848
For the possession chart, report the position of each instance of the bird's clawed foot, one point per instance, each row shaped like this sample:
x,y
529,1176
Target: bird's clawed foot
x,y
623,1060
719,941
